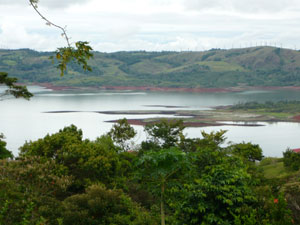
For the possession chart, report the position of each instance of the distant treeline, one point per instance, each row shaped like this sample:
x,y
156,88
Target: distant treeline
x,y
269,106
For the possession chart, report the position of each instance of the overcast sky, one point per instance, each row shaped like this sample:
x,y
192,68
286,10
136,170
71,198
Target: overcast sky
x,y
152,25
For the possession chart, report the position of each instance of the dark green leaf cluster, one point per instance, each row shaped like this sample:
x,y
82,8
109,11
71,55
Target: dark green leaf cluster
x,y
4,153
291,159
99,205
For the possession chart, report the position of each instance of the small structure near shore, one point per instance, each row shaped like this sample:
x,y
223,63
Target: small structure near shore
x,y
296,150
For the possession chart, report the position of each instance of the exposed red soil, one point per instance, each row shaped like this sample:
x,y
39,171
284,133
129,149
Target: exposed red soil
x,y
200,90
297,118
55,88
166,89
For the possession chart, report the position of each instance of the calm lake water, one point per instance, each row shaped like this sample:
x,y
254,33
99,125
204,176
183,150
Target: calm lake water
x,y
22,120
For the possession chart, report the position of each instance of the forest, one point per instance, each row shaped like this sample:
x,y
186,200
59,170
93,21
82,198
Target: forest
x,y
167,179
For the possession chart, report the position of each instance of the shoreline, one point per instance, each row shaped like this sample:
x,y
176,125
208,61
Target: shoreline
x,y
167,89
141,122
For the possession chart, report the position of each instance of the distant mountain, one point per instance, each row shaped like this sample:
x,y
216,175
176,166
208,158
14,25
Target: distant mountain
x,y
257,66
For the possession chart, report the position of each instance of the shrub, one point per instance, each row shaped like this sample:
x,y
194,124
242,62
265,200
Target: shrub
x,y
99,205
291,160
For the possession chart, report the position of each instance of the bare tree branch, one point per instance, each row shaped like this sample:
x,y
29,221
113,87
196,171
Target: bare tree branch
x,y
80,53
49,23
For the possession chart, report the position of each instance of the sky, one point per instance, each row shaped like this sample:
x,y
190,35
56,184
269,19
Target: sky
x,y
152,25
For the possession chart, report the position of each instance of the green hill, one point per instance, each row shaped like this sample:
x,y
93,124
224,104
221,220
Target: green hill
x,y
257,66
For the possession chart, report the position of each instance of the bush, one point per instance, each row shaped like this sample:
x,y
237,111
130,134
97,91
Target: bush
x,y
4,153
102,206
291,160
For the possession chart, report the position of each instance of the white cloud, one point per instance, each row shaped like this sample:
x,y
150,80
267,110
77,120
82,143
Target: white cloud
x,y
15,36
151,24
45,3
253,6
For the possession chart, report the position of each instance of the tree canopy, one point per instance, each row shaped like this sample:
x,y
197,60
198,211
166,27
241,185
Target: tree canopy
x,y
65,179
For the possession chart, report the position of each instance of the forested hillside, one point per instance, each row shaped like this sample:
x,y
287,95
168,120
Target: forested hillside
x,y
257,66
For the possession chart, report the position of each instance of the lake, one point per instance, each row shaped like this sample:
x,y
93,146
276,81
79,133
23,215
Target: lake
x,y
23,120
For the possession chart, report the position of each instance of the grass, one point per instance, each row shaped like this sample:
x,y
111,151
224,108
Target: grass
x,y
9,62
277,115
221,66
281,115
274,168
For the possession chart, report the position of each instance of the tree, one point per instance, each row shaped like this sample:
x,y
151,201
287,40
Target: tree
x,y
4,153
248,151
15,90
216,197
121,132
18,92
99,205
31,188
166,133
219,189
87,161
291,160
80,52
159,170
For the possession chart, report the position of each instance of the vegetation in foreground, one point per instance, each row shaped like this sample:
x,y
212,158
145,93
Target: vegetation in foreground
x,y
168,179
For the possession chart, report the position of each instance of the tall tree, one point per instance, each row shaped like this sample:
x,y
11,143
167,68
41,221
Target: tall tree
x,y
165,133
121,133
159,170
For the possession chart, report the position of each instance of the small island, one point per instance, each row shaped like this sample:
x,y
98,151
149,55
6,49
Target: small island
x,y
242,114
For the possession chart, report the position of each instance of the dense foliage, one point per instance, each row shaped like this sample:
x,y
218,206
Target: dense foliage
x,y
260,66
4,153
168,179
291,160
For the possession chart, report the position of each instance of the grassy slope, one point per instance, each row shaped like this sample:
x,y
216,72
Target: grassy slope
x,y
260,66
274,168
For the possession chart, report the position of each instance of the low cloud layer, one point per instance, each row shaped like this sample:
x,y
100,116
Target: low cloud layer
x,y
253,6
152,25
45,3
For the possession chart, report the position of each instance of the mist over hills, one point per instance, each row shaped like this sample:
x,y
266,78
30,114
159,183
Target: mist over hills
x,y
216,68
